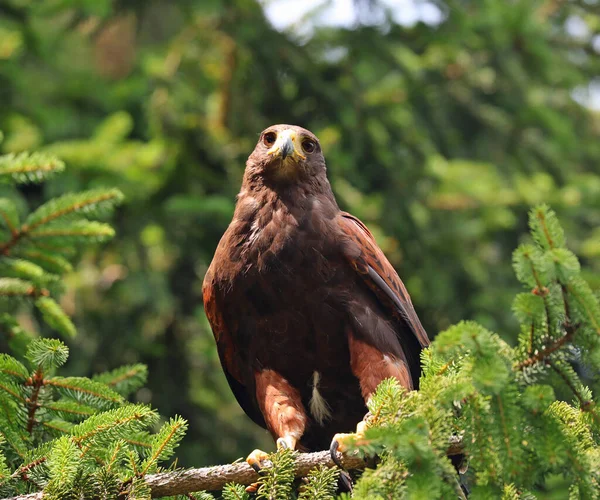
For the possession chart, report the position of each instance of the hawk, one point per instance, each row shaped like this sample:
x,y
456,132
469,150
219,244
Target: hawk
x,y
308,314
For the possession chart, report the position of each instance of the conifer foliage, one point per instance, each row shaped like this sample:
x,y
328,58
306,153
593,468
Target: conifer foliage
x,y
35,249
518,436
73,437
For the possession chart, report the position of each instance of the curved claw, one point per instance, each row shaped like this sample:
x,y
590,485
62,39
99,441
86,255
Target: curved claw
x,y
286,443
333,451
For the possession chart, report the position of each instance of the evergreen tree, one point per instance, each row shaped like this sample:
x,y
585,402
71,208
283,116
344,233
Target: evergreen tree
x,y
501,400
73,437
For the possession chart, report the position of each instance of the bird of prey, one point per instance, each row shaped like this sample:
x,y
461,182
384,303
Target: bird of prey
x,y
308,314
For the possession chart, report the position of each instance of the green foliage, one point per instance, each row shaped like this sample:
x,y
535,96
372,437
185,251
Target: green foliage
x,y
163,444
76,437
10,214
276,481
55,317
31,264
320,484
25,167
93,203
73,437
234,491
124,380
500,400
47,354
62,467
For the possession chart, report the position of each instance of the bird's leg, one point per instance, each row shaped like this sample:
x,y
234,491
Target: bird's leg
x,y
284,414
370,366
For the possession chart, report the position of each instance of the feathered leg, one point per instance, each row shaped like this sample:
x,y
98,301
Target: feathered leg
x,y
284,414
370,366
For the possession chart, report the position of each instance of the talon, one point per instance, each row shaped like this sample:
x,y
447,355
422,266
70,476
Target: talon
x,y
333,451
286,443
255,459
345,482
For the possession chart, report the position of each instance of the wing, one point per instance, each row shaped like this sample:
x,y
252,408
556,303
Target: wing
x,y
365,256
243,390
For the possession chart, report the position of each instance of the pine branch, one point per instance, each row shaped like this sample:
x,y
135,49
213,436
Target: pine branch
x,y
22,471
164,443
29,167
55,317
9,215
548,350
87,203
504,428
82,390
50,261
77,231
11,389
18,288
584,402
125,379
32,402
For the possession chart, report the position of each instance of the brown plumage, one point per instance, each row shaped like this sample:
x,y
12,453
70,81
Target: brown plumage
x,y
308,314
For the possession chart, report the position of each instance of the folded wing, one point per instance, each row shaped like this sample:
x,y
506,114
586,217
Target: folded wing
x,y
369,261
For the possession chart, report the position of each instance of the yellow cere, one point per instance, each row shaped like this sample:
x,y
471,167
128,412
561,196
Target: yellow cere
x,y
284,136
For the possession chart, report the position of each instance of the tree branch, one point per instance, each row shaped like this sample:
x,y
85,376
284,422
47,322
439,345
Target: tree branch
x,y
32,402
215,478
548,350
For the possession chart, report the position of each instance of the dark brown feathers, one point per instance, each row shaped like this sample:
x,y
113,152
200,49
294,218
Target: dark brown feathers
x,y
301,299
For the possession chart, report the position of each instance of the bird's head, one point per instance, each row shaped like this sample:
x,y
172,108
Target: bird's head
x,y
286,154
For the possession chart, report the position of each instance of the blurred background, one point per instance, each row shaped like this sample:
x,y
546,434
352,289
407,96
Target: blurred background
x,y
442,122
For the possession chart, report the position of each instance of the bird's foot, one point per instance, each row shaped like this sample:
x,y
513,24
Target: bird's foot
x,y
341,442
257,458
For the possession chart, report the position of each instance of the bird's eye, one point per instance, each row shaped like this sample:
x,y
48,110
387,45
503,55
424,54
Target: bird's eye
x,y
270,138
308,145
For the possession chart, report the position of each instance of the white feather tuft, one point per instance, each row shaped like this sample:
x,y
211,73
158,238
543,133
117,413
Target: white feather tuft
x,y
318,406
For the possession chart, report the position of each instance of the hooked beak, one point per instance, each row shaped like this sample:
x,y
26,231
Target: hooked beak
x,y
287,145
287,148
